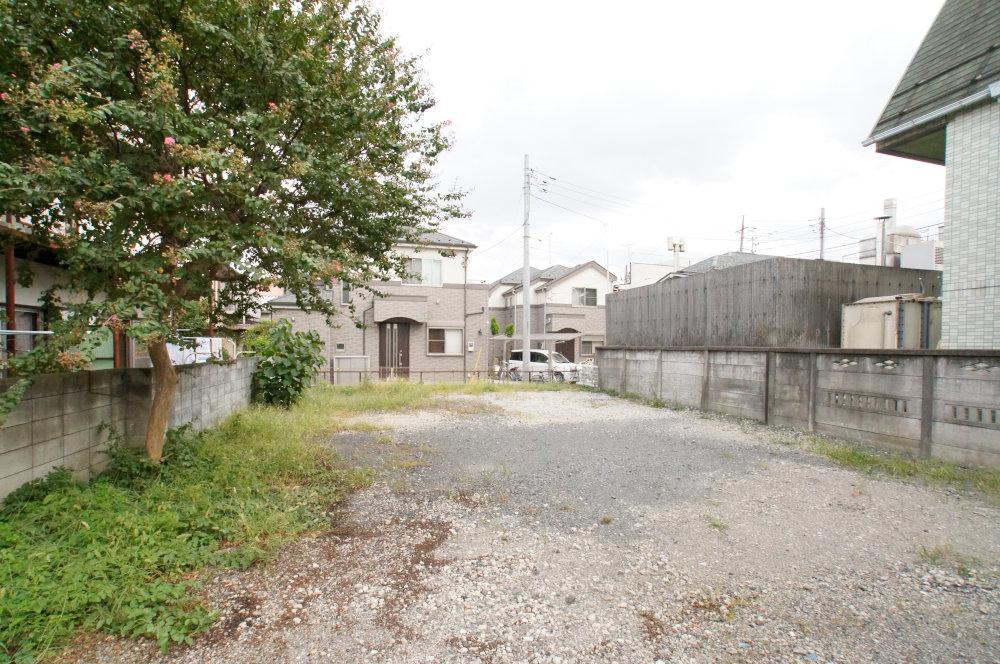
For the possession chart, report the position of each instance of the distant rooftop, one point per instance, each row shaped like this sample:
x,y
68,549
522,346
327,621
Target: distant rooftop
x,y
720,262
442,239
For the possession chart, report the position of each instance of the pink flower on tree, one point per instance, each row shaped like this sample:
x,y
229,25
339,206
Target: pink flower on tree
x,y
167,177
4,96
25,130
169,141
271,105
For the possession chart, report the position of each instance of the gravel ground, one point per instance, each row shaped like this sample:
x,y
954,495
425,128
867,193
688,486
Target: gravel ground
x,y
573,527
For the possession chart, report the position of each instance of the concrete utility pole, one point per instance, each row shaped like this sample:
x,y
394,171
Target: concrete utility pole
x,y
743,223
526,274
822,231
881,246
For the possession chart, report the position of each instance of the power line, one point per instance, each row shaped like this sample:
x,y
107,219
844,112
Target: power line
x,y
580,186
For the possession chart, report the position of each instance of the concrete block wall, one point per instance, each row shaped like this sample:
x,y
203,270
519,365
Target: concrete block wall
x,y
971,294
921,403
67,419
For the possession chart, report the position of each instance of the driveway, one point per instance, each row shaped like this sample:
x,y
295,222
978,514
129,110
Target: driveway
x,y
574,527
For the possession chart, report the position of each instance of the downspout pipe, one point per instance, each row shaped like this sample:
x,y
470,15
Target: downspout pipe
x,y
992,91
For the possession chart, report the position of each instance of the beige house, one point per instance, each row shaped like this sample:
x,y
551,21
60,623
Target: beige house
x,y
427,326
563,299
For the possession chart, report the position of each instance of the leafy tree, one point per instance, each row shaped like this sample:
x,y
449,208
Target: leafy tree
x,y
184,155
509,331
494,327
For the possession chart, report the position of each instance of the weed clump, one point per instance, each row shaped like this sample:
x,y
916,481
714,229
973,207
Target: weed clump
x,y
124,554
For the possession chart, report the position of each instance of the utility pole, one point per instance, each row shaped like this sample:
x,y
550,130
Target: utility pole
x,y
743,223
881,245
526,274
822,231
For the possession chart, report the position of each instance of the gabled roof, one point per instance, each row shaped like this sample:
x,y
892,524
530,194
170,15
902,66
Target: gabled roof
x,y
552,274
720,262
514,278
289,301
955,64
437,239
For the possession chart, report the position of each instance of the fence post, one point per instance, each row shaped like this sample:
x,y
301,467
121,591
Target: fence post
x,y
624,370
927,378
706,374
767,385
659,377
812,391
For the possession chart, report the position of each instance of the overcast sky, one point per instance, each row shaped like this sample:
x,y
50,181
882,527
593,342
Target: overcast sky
x,y
669,119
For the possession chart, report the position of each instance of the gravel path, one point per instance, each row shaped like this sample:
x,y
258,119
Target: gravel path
x,y
573,527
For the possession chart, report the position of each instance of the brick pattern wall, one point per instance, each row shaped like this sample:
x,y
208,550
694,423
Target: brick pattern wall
x,y
971,294
67,419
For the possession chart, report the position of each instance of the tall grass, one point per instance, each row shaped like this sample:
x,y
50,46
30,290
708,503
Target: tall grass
x,y
123,554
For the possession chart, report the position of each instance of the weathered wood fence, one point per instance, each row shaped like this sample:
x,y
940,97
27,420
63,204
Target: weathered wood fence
x,y
782,302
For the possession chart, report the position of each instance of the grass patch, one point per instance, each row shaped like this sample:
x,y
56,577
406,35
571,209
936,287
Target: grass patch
x,y
946,556
931,471
125,554
716,524
655,402
403,395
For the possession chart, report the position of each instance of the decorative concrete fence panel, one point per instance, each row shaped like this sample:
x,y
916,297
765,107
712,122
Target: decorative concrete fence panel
x,y
944,404
67,419
966,409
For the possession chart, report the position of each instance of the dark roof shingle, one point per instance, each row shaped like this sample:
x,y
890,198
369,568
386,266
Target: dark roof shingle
x,y
959,57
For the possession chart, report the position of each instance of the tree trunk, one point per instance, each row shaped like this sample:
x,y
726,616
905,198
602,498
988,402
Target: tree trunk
x,y
165,381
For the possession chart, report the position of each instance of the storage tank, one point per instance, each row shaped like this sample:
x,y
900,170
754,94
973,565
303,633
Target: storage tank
x,y
910,320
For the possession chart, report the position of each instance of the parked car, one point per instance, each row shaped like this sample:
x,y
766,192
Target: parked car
x,y
562,369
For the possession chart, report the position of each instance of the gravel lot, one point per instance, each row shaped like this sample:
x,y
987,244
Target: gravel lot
x,y
573,527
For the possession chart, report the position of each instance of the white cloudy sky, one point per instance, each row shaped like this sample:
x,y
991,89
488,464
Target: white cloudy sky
x,y
669,119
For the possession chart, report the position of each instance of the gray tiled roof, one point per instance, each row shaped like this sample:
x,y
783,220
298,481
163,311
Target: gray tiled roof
x,y
555,272
441,239
289,299
514,277
960,56
722,261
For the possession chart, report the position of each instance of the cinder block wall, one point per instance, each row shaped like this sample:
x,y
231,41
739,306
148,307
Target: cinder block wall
x,y
971,296
922,403
67,419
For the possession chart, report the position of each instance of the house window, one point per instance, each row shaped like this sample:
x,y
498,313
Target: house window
x,y
587,347
585,297
345,294
340,347
426,271
444,341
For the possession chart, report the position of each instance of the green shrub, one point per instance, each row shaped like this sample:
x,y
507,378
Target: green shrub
x,y
257,338
289,363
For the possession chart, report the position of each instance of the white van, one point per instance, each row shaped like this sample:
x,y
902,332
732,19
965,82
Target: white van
x,y
563,369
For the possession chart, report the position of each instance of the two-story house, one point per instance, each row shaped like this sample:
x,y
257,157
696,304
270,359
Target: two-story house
x,y
945,111
428,324
563,299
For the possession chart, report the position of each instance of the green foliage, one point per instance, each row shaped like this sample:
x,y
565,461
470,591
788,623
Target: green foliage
x,y
509,331
494,327
122,555
289,363
257,337
163,147
402,394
